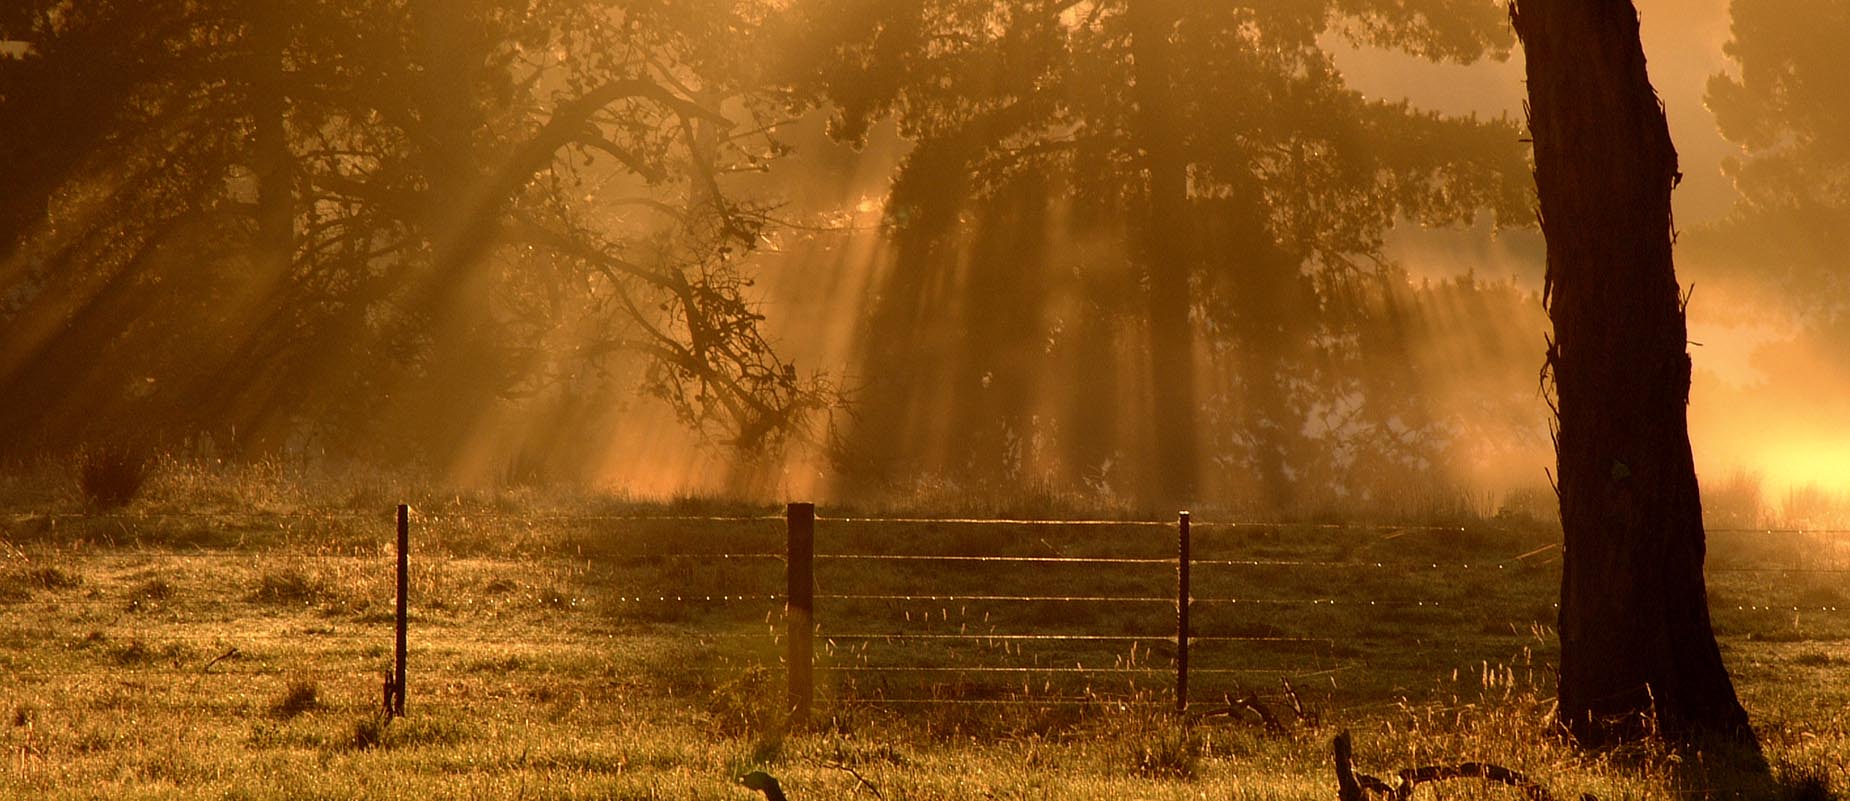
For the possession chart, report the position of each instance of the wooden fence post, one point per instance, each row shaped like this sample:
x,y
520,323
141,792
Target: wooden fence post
x,y
800,606
1182,603
404,584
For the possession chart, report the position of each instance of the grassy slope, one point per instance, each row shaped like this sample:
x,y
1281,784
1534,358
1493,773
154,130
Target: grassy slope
x,y
535,673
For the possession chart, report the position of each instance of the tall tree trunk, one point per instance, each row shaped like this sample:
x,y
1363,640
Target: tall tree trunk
x,y
1636,643
456,387
1165,249
270,158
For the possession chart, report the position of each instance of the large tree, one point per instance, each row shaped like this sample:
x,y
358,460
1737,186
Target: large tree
x,y
1636,643
272,220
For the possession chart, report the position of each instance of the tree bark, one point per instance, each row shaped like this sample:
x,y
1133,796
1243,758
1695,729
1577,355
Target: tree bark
x,y
1637,650
1165,251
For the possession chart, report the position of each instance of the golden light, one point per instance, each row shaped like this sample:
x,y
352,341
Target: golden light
x,y
1822,463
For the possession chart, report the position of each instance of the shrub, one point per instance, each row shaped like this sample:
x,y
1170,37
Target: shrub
x,y
369,731
1804,782
1169,752
147,593
17,585
1153,746
300,696
111,476
379,731
289,586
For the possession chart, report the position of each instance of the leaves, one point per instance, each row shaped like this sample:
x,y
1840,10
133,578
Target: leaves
x,y
459,180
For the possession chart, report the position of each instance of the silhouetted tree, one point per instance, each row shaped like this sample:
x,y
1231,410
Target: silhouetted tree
x,y
1780,251
1204,161
1636,643
280,218
1790,115
1165,243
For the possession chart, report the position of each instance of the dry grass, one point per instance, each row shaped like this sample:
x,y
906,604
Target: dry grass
x,y
233,648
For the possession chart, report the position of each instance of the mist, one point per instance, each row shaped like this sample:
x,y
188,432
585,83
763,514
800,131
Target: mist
x,y
1279,259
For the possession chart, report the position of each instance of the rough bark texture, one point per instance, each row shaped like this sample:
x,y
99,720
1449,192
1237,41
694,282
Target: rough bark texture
x,y
1165,249
1637,649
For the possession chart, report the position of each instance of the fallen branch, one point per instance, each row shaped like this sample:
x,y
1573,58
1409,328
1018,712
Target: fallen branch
x,y
1352,786
1251,702
1297,704
230,654
1413,777
841,766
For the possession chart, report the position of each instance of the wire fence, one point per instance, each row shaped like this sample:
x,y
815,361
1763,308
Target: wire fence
x,y
246,516
850,652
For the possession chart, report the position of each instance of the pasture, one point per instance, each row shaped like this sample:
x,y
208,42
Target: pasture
x,y
220,639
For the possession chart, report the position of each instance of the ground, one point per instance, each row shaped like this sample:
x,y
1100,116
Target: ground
x,y
225,636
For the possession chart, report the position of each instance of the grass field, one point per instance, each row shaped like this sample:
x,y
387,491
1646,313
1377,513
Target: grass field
x,y
225,638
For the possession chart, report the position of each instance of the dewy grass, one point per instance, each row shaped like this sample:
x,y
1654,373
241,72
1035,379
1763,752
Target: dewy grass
x,y
215,652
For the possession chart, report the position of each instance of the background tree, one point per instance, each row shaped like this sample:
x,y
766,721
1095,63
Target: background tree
x,y
331,221
1779,256
1791,118
1636,643
1191,184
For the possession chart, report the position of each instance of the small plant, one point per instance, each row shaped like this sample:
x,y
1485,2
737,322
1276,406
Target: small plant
x,y
289,586
156,589
1804,782
1156,747
109,477
300,696
17,585
748,704
52,578
369,732
379,731
1171,753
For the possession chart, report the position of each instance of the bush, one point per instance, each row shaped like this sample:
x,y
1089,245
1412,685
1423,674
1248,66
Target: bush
x,y
379,731
111,476
1804,782
369,732
1154,746
1170,752
301,696
290,586
17,585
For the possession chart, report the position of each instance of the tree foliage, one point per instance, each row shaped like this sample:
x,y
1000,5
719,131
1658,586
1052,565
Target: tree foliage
x,y
1790,113
333,220
1027,129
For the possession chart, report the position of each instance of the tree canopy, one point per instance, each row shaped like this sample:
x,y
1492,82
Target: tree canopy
x,y
1239,193
342,220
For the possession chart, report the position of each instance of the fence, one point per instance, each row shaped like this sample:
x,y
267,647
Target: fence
x,y
804,626
1342,582
802,623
